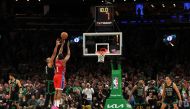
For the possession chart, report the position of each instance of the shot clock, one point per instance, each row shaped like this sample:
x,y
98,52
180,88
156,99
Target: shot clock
x,y
104,15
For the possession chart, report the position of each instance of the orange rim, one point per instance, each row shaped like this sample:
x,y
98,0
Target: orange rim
x,y
102,51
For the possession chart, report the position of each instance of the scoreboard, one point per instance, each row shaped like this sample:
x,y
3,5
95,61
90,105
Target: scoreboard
x,y
104,15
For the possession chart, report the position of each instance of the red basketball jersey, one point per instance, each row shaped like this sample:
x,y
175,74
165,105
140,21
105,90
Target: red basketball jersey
x,y
60,68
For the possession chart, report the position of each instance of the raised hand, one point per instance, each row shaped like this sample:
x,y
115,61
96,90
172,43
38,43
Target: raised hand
x,y
68,44
58,42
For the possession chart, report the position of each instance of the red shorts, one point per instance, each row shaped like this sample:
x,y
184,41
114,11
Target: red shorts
x,y
59,81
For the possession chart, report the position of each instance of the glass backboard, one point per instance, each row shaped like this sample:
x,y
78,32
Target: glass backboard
x,y
94,42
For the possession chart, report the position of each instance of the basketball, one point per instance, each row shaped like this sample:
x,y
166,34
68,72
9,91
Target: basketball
x,y
64,35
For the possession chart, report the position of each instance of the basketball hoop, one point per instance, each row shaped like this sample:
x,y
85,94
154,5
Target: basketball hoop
x,y
101,54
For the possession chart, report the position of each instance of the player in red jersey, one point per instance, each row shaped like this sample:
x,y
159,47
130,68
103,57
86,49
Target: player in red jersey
x,y
59,77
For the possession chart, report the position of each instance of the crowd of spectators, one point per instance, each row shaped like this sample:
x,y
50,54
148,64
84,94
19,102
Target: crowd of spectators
x,y
88,82
91,84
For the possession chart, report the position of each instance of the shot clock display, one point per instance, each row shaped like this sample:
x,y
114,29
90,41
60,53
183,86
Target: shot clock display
x,y
104,15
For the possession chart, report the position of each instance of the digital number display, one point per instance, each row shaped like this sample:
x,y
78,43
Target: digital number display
x,y
104,15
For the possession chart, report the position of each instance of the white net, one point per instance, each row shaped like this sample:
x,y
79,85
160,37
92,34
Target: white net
x,y
101,56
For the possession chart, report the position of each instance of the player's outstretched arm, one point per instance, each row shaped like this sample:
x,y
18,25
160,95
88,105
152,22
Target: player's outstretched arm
x,y
10,88
68,53
19,85
177,91
55,50
163,92
61,48
134,88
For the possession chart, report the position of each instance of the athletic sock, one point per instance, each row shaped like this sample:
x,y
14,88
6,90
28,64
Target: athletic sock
x,y
58,103
55,103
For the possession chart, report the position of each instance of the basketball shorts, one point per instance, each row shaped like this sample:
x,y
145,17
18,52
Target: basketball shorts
x,y
139,100
14,96
59,81
171,100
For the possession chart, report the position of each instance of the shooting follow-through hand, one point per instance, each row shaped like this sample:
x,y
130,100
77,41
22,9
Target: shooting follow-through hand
x,y
58,42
